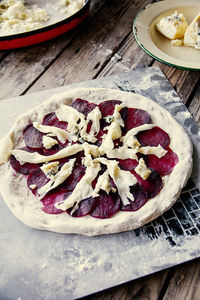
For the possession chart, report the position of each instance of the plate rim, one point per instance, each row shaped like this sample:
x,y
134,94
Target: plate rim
x,y
160,59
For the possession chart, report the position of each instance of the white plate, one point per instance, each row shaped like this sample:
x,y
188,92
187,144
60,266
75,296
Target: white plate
x,y
158,46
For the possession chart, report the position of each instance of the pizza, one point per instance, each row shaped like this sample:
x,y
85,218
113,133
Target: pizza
x,y
93,161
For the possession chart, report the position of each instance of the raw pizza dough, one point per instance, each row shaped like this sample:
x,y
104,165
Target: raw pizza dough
x,y
26,207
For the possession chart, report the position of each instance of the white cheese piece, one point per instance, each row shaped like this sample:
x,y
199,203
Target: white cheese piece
x,y
94,116
127,139
177,43
56,177
142,169
173,26
192,34
122,153
48,142
17,17
159,151
61,134
122,179
89,151
103,183
114,130
33,186
23,156
75,119
83,189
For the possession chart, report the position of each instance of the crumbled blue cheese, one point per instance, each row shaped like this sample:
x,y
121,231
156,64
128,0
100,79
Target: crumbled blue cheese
x,y
173,26
103,183
192,34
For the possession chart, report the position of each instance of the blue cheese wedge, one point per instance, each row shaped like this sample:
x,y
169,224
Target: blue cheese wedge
x,y
173,26
192,34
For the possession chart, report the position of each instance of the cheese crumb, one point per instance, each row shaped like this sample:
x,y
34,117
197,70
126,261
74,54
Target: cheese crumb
x,y
142,169
173,26
48,142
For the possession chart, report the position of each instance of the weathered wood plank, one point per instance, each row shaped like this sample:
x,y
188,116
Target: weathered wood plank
x,y
87,55
128,57
22,67
185,284
145,288
182,81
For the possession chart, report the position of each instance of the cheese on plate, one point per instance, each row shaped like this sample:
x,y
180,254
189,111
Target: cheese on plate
x,y
192,34
173,26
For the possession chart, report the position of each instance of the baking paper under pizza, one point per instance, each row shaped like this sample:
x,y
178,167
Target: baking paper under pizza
x,y
93,161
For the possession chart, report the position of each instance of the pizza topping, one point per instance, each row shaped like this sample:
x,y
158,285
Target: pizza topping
x,y
158,150
48,142
83,189
24,156
56,177
142,169
61,134
94,159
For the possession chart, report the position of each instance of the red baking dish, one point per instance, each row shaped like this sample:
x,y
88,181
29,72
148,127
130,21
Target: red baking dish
x,y
45,33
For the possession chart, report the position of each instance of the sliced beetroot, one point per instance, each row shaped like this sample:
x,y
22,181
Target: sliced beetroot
x,y
163,165
107,107
38,178
83,106
154,137
51,199
85,207
24,169
70,183
106,205
128,164
140,198
52,120
33,137
153,184
134,117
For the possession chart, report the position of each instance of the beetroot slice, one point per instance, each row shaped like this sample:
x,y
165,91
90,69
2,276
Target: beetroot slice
x,y
134,117
51,199
52,120
85,207
38,178
83,106
154,137
128,164
152,185
163,165
106,205
107,107
140,198
70,183
33,137
24,169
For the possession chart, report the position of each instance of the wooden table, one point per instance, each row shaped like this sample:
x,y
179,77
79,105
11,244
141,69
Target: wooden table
x,y
104,45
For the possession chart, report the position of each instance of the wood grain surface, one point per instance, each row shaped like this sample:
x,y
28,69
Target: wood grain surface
x,y
103,45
